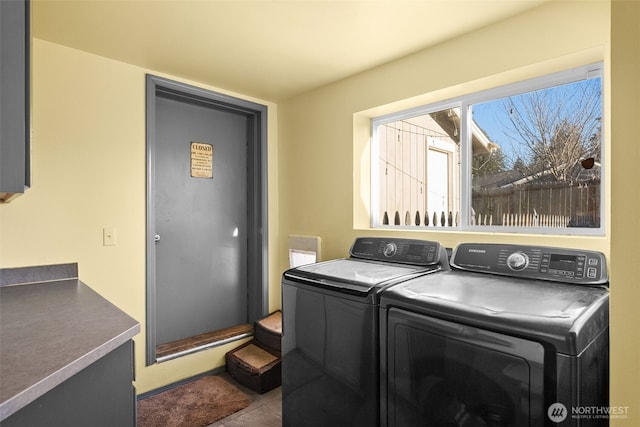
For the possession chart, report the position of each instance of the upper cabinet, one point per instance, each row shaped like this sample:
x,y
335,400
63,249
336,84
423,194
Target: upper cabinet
x,y
15,40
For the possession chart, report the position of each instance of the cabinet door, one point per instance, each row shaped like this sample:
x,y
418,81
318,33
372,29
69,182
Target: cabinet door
x,y
100,395
14,103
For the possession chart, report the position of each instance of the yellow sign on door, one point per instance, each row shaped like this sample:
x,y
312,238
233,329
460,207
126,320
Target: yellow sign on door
x,y
201,160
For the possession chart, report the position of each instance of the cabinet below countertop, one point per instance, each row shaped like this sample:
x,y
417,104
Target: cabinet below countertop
x,y
60,341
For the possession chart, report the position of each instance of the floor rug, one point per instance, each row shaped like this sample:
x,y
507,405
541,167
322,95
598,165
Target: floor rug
x,y
195,404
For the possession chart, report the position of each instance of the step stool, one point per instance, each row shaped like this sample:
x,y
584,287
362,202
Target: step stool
x,y
256,364
268,331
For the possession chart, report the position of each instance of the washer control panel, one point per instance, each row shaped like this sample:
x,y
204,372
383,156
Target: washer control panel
x,y
576,266
403,251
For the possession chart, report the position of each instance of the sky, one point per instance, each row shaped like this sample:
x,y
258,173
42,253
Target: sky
x,y
494,120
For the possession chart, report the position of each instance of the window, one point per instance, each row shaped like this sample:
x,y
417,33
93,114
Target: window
x,y
418,168
521,158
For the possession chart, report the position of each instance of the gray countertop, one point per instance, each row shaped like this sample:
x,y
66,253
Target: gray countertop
x,y
49,331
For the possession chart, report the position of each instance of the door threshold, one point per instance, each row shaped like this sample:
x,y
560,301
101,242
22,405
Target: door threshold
x,y
185,346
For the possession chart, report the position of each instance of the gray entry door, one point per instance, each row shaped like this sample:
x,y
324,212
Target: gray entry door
x,y
205,216
201,219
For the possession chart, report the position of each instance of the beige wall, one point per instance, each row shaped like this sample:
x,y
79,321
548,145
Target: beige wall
x,y
324,134
324,137
88,161
625,207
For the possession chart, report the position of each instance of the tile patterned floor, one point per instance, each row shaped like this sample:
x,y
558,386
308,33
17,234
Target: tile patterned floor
x,y
265,410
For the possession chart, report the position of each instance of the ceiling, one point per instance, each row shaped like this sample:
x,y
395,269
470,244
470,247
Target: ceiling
x,y
266,49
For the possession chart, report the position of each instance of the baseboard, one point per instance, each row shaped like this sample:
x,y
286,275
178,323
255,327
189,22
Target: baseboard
x,y
215,371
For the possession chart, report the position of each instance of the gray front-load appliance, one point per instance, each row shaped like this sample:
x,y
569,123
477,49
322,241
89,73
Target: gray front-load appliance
x,y
512,335
330,340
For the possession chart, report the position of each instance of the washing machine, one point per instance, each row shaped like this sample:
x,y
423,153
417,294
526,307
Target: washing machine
x,y
512,335
330,337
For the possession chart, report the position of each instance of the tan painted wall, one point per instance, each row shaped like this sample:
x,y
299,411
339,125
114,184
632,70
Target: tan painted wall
x,y
324,134
88,161
625,208
324,143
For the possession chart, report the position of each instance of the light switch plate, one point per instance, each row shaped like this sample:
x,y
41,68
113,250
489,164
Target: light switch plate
x,y
109,236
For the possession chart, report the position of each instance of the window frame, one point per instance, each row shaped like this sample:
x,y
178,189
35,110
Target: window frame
x,y
375,220
464,103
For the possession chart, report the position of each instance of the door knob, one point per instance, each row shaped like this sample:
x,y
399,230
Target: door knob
x,y
156,238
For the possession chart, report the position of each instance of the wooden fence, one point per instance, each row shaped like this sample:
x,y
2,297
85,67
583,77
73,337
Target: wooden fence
x,y
448,219
425,219
554,205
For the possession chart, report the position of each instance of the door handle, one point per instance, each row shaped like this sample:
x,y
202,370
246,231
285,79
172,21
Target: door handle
x,y
156,238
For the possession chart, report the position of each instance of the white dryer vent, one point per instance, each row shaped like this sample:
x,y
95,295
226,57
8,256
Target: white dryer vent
x,y
303,250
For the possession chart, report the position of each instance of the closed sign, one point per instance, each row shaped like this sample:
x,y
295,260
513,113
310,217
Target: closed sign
x,y
201,160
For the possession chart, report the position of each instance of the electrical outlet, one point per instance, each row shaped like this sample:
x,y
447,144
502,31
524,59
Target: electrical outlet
x,y
109,236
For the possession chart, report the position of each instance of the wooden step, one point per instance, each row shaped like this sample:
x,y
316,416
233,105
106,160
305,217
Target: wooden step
x,y
268,331
190,343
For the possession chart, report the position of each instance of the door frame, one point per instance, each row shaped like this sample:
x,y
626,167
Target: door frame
x,y
257,224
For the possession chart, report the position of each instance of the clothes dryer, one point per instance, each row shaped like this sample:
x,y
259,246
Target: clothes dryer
x,y
330,336
513,336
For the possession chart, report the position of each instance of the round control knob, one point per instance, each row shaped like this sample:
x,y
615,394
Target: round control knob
x,y
390,250
517,261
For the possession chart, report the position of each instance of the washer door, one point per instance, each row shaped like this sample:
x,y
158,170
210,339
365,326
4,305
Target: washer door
x,y
442,373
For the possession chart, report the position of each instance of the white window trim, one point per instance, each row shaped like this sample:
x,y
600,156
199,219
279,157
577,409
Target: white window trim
x,y
463,103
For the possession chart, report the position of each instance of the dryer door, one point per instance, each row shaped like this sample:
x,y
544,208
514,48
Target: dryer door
x,y
442,373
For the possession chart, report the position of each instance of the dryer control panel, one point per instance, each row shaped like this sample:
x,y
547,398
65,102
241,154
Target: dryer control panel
x,y
403,251
575,266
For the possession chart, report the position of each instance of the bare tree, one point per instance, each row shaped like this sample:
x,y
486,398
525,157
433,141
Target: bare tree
x,y
488,163
553,130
